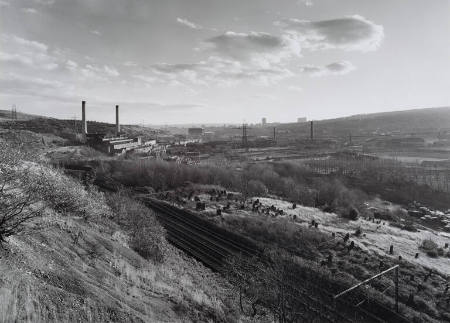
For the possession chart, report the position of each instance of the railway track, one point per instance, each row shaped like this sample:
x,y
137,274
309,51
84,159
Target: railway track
x,y
212,245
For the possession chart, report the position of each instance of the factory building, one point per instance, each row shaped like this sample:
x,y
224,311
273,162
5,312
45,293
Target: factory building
x,y
118,144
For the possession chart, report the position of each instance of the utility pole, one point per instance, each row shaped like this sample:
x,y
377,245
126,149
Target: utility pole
x,y
274,134
75,124
14,112
244,135
312,130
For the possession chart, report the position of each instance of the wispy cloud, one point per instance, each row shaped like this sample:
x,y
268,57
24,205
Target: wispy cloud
x,y
336,68
29,53
189,24
30,10
218,71
95,32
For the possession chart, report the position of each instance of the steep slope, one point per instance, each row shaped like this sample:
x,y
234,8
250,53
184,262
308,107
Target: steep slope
x,y
67,267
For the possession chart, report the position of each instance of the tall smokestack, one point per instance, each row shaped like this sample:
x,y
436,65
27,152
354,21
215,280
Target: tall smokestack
x,y
83,118
117,121
312,130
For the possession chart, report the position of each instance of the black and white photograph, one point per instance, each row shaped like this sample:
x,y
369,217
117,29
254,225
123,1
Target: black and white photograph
x,y
224,161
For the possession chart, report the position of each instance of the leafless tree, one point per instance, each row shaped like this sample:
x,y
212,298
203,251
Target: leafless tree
x,y
18,196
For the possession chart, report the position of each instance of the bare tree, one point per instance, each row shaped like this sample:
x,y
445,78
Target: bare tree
x,y
18,196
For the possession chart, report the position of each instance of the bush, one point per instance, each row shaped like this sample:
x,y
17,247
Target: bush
x,y
352,213
147,236
256,188
432,253
66,195
147,244
430,247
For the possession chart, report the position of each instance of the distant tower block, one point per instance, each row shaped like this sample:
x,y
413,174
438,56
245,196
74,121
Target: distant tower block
x,y
117,121
263,121
83,119
301,120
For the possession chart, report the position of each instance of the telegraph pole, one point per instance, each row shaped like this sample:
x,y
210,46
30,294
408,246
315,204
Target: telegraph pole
x,y
244,135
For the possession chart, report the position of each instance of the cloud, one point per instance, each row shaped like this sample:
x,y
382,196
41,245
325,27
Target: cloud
x,y
257,47
71,65
307,3
189,24
336,68
30,10
4,3
95,32
264,58
24,52
294,88
130,64
14,84
111,71
25,43
45,2
218,71
99,73
349,33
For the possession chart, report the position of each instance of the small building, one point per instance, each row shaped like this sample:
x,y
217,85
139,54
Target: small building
x,y
301,120
195,132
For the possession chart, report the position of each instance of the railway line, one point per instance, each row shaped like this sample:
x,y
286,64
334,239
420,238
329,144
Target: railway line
x,y
212,245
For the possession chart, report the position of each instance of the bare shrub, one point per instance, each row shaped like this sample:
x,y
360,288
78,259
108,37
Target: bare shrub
x,y
147,236
18,198
430,247
351,213
257,188
68,196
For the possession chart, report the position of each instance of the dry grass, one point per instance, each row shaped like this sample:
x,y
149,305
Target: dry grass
x,y
67,268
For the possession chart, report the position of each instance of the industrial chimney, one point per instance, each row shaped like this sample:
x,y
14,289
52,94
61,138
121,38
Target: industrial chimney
x,y
117,121
83,119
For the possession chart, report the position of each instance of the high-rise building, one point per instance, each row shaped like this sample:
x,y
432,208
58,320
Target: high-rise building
x,y
264,121
300,120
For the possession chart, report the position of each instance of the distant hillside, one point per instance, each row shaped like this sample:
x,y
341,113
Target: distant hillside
x,y
6,115
408,121
419,120
66,128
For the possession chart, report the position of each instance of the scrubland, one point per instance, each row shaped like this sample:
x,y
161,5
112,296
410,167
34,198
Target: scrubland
x,y
82,255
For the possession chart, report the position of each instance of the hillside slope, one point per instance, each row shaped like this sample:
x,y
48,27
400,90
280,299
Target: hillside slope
x,y
67,267
6,115
47,277
407,122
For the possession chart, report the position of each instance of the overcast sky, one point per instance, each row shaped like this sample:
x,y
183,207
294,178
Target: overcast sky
x,y
223,61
